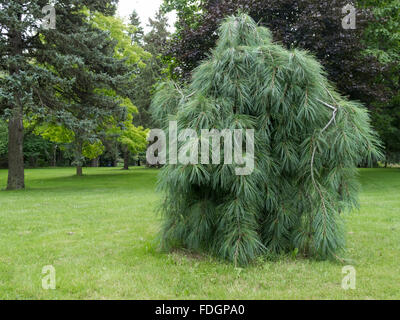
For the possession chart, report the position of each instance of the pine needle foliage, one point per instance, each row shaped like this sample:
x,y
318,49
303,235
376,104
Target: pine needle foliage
x,y
306,153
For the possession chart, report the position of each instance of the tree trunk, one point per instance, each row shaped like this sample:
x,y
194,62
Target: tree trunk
x,y
79,172
16,178
127,156
78,158
33,161
95,162
54,164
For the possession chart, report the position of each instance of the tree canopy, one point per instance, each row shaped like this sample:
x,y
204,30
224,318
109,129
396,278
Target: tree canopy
x,y
39,66
362,62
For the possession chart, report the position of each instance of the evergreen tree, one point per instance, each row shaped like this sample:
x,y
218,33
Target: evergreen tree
x,y
26,86
136,31
156,39
308,141
154,42
100,74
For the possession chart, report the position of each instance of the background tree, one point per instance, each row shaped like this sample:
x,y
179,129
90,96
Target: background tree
x,y
188,11
60,135
23,81
154,42
308,24
37,151
103,65
134,56
133,140
363,63
95,76
382,38
136,30
130,139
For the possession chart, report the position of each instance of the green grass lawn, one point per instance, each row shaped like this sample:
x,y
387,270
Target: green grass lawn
x,y
99,232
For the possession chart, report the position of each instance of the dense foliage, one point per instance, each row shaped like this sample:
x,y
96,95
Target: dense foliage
x,y
308,141
76,78
382,39
363,62
154,42
39,66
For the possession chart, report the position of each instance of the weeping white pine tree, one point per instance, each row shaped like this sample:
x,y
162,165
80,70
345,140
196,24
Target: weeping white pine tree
x,y
308,142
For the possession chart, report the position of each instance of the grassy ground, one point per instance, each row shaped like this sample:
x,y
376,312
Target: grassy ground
x,y
99,231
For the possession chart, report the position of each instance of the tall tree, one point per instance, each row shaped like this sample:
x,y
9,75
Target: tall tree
x,y
132,139
24,82
154,42
136,30
101,74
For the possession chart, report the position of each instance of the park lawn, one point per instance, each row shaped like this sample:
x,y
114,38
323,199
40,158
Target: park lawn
x,y
99,232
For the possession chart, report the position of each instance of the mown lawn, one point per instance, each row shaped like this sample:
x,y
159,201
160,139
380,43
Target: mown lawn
x,y
99,232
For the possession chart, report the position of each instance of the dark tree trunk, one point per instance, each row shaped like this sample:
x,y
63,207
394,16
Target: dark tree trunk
x,y
127,156
79,171
33,161
16,178
95,162
78,158
54,164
